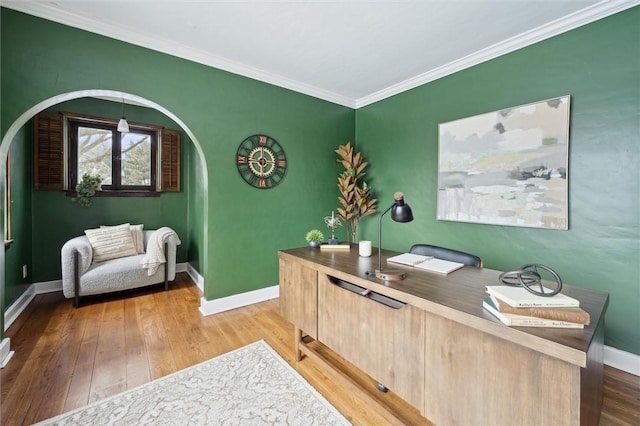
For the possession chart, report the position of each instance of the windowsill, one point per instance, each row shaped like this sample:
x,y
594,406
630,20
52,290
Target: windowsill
x,y
121,193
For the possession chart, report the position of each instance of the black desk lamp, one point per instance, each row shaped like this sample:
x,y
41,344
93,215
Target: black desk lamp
x,y
400,212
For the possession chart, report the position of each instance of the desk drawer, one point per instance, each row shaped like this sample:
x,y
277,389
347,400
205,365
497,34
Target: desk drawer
x,y
381,336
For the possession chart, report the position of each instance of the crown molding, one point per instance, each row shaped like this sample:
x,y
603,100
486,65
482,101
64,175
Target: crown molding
x,y
585,16
51,13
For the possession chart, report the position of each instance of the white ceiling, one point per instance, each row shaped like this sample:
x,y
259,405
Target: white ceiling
x,y
352,52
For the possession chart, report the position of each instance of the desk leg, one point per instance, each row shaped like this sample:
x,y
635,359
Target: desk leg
x,y
297,337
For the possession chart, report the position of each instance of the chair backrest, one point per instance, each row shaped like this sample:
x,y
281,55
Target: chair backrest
x,y
446,254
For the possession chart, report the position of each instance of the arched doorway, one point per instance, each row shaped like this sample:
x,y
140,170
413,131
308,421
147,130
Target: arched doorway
x,y
97,93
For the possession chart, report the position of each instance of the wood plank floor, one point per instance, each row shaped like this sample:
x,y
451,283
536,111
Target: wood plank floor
x,y
66,358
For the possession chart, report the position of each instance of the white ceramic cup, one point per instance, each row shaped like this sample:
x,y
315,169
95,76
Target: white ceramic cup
x,y
364,248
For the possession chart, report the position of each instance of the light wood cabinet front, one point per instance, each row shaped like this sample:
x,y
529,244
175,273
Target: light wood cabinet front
x,y
480,379
385,342
299,296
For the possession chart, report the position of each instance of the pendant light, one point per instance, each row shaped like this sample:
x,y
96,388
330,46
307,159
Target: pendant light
x,y
123,126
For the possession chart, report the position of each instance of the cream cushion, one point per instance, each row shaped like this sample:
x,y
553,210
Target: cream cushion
x,y
111,242
138,237
137,234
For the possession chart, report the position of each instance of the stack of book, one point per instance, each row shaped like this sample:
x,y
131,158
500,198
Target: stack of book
x,y
515,306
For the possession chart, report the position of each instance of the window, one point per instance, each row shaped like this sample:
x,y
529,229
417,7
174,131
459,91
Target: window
x,y
144,161
126,161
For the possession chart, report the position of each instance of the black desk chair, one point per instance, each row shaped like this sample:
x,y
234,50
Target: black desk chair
x,y
446,254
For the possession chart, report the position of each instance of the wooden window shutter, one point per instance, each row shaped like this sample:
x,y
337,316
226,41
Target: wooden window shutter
x,y
48,152
170,161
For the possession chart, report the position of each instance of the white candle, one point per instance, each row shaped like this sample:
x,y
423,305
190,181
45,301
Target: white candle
x,y
364,248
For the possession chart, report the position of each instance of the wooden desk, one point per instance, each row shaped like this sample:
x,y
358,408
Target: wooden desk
x,y
437,348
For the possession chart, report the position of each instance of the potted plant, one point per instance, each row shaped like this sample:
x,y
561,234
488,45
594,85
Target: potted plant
x,y
314,238
355,195
87,188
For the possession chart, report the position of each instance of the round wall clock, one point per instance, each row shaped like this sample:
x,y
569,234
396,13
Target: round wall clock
x,y
261,161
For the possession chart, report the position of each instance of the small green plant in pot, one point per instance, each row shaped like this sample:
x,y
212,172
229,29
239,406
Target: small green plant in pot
x,y
314,238
87,188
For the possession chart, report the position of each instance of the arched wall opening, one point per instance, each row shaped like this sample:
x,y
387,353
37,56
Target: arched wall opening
x,y
24,118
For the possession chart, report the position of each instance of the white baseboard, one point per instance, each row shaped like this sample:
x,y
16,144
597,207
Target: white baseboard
x,y
182,267
5,352
48,286
210,307
195,276
13,312
622,360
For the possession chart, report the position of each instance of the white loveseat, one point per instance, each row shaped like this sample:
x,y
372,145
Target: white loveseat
x,y
81,276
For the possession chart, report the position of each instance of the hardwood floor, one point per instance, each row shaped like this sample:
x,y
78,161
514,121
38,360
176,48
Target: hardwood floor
x,y
66,358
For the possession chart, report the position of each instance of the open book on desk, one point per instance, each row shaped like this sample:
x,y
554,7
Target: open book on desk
x,y
427,263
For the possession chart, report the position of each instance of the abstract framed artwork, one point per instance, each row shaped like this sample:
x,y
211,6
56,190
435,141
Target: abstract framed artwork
x,y
507,167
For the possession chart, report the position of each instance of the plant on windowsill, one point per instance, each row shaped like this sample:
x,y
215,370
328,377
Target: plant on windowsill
x,y
355,195
314,238
87,188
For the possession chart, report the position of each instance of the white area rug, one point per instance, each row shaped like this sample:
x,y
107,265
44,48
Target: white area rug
x,y
252,385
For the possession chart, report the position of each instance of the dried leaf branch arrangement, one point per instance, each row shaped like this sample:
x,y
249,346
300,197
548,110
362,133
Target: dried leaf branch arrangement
x,y
355,195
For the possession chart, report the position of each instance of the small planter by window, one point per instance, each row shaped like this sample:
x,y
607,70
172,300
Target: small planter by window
x,y
87,188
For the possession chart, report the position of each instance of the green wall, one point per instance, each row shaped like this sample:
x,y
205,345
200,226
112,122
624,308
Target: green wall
x,y
599,66
241,227
19,252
